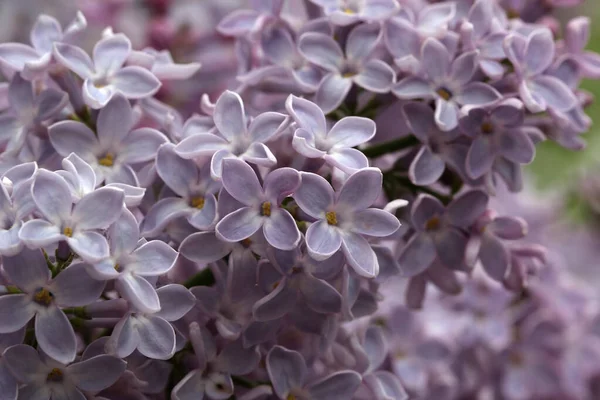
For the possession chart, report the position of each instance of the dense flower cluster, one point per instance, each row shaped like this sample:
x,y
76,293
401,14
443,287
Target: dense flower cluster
x,y
268,241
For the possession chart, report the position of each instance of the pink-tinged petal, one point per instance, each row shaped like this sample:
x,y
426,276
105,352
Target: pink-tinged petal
x,y
351,132
418,255
412,88
139,293
361,189
141,145
111,53
239,23
510,228
115,121
98,209
306,114
477,94
332,91
200,144
72,137
74,59
480,157
91,246
38,233
359,255
55,335
204,247
446,114
315,195
162,213
286,369
157,338
240,180
281,183
16,55
239,225
338,386
52,196
321,50
304,143
348,160
27,270
266,126
229,116
494,257
16,310
437,66
426,168
376,76
553,92
539,52
207,216
96,373
320,296
96,95
281,231
74,287
153,258
589,63
322,240
135,82
276,304
374,222
259,154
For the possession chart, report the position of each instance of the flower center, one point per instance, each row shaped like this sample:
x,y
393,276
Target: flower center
x,y
43,297
349,11
100,83
290,397
433,223
246,242
56,375
118,267
516,358
487,128
108,160
266,209
198,202
512,13
444,93
68,232
331,218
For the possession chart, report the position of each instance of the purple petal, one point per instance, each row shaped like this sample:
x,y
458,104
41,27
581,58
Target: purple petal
x,y
281,231
477,94
517,147
175,302
240,180
200,144
281,183
374,222
446,114
153,258
276,304
426,168
451,245
16,310
376,76
191,387
338,386
139,292
418,255
315,195
123,234
332,91
207,216
96,373
361,41
351,132
494,257
552,92
111,53
39,233
321,50
539,52
17,55
204,247
72,137
286,369
55,335
24,363
73,287
424,208
91,246
510,228
259,154
480,157
463,68
437,59
319,295
238,23
322,240
267,125
98,209
74,59
420,119
348,160
304,142
239,225
464,210
177,173
52,196
162,213
229,115
135,82
359,255
124,338
306,114
141,145
412,88
361,189
27,270
157,338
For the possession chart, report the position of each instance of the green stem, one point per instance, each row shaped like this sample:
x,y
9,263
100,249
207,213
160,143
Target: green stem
x,y
391,146
202,278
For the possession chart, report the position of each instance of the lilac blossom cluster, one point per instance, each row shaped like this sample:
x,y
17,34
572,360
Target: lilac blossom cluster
x,y
249,247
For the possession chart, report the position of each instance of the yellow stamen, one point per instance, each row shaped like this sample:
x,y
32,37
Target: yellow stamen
x,y
117,268
432,224
444,93
487,127
68,232
348,74
331,218
56,375
198,202
349,11
266,209
108,160
246,242
290,397
43,297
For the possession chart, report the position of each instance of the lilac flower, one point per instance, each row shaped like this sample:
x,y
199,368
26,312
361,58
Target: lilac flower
x,y
577,36
27,113
76,225
162,65
151,333
531,57
8,385
347,12
313,140
114,148
206,247
288,278
447,82
33,61
262,205
343,218
45,378
237,139
194,185
105,75
288,373
242,23
131,262
355,67
497,131
440,231
43,298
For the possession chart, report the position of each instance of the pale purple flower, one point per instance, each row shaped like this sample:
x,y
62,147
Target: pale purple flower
x,y
441,231
288,374
45,378
105,75
43,298
356,66
206,247
347,12
448,82
577,36
195,186
236,138
78,224
132,261
151,333
162,65
343,218
27,113
262,205
247,22
116,146
312,139
8,385
32,62
531,57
